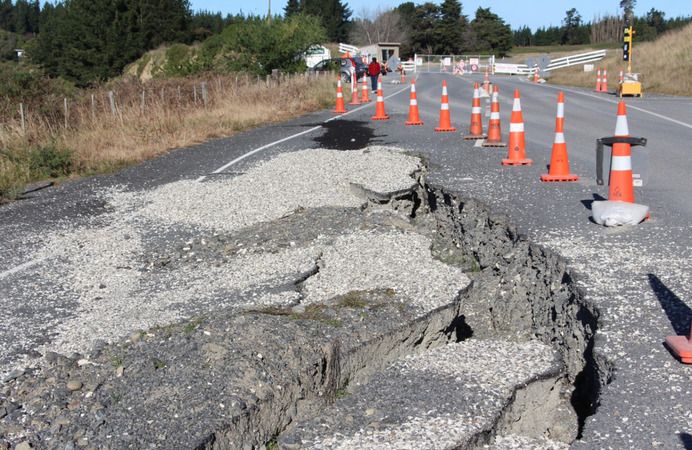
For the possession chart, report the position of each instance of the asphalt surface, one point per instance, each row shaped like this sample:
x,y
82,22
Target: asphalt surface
x,y
638,277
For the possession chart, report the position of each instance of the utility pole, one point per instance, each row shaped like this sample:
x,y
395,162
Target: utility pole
x,y
269,11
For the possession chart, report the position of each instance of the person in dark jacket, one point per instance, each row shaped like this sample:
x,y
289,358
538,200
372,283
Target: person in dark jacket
x,y
374,70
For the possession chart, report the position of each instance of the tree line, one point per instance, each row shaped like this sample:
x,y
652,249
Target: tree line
x,y
609,28
430,28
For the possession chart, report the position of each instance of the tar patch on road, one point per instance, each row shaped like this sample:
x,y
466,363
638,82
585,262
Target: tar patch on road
x,y
346,135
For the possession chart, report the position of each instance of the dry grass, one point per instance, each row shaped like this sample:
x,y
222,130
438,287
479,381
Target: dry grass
x,y
665,65
149,119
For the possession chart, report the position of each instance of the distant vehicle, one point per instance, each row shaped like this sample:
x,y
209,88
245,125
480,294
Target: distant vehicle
x,y
342,65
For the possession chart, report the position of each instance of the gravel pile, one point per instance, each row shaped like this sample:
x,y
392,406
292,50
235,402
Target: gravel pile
x,y
106,277
401,261
436,400
304,179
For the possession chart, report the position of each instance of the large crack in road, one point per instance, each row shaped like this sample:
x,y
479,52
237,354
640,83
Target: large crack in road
x,y
389,313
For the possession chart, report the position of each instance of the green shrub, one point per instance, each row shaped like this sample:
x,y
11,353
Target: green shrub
x,y
50,161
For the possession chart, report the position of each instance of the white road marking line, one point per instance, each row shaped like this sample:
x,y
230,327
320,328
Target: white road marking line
x,y
479,143
293,136
629,105
19,268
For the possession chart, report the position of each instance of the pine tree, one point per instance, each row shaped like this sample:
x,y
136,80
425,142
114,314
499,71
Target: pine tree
x,y
292,8
450,30
491,32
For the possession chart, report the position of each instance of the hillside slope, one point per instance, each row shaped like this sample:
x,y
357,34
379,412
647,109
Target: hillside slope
x,y
665,65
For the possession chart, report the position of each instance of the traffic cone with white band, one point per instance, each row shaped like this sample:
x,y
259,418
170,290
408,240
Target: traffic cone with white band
x,y
445,120
494,133
598,80
516,153
604,81
380,114
476,127
413,116
559,161
364,98
621,185
354,90
340,105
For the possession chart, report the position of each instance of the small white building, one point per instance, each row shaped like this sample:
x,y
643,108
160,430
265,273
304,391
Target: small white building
x,y
19,52
315,54
383,51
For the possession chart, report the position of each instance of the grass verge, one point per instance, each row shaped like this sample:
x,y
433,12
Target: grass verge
x,y
665,66
143,121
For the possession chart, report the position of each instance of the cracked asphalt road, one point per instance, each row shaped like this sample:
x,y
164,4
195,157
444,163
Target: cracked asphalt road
x,y
638,277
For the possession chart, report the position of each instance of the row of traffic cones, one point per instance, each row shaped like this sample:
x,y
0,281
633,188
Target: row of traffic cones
x,y
621,178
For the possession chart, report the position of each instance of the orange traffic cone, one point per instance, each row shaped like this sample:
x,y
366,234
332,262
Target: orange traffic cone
x,y
559,162
516,155
445,120
681,346
598,80
413,116
604,81
494,133
364,98
535,76
380,114
621,78
354,91
476,128
340,105
621,185
402,79
486,82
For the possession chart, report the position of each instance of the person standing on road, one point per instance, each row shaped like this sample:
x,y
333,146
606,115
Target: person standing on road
x,y
374,72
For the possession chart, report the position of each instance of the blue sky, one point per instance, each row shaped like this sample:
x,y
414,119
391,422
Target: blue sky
x,y
534,13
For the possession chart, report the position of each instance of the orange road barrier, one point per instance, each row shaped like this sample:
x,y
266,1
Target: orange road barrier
x,y
413,116
598,80
364,98
681,346
445,120
516,154
476,127
621,186
559,161
380,114
604,81
494,132
340,105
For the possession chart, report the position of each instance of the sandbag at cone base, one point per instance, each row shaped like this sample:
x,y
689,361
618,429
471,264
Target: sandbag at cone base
x,y
681,346
476,126
516,151
340,104
559,161
445,119
413,114
494,127
380,114
613,214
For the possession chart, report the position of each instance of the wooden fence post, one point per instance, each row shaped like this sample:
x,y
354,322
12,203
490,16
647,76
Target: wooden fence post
x,y
204,93
21,114
65,105
111,99
141,104
93,108
194,91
